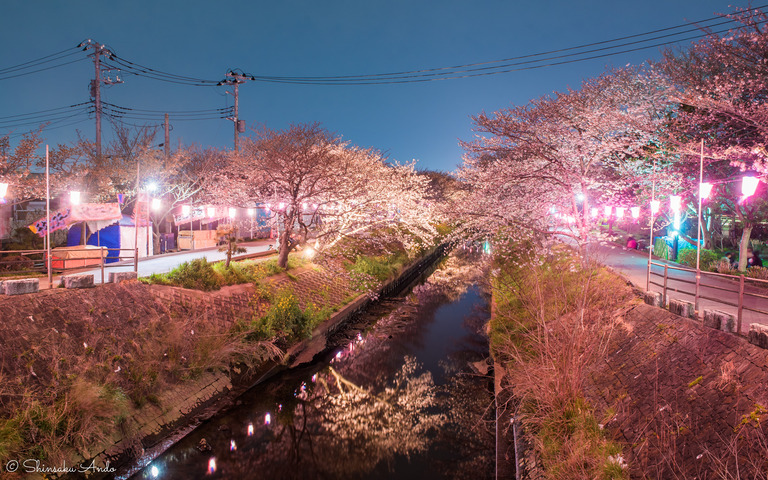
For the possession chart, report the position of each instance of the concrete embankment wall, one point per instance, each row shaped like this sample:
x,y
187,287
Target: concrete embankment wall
x,y
683,394
684,400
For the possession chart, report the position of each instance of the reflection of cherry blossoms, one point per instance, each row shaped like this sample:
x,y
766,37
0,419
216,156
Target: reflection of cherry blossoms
x,y
338,429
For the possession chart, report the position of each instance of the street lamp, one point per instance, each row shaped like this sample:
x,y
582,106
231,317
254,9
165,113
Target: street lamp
x,y
749,186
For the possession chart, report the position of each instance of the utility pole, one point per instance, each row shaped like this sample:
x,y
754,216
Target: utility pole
x,y
167,142
98,51
236,79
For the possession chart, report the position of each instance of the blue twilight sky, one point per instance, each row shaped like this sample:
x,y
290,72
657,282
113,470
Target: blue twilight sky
x,y
204,39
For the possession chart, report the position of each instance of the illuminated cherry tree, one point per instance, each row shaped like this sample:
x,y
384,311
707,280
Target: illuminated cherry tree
x,y
540,167
720,86
316,185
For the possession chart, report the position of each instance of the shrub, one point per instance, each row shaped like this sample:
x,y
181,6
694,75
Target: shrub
x,y
760,273
706,257
197,274
660,248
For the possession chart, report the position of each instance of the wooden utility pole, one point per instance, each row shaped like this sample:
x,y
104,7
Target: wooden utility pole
x,y
236,79
167,142
98,51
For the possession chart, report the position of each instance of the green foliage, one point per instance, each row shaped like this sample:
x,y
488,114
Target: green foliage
x,y
286,321
661,249
198,274
706,258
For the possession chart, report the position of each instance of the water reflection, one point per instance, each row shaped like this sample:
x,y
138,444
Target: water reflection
x,y
397,400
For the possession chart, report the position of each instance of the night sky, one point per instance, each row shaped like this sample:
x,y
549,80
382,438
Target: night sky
x,y
204,39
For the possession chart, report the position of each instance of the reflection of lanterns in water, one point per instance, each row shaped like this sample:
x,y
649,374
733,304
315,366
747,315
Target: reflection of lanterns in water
x,y
280,407
232,446
212,465
338,355
267,419
154,471
359,337
250,429
314,378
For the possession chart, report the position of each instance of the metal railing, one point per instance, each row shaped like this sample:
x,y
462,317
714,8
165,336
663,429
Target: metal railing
x,y
15,263
739,283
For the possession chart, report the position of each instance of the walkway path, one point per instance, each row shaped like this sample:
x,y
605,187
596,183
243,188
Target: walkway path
x,y
633,264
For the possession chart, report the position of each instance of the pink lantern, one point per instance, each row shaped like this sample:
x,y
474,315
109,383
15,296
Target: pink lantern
x,y
749,186
594,211
250,212
619,212
185,209
211,211
635,212
3,189
705,189
655,206
608,210
232,212
675,203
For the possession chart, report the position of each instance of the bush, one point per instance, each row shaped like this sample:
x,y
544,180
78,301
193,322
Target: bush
x,y
197,274
660,248
706,257
760,273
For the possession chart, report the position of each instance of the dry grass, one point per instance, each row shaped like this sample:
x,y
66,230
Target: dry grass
x,y
553,320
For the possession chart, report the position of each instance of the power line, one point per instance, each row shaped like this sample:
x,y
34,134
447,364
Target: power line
x,y
44,111
6,77
44,118
32,63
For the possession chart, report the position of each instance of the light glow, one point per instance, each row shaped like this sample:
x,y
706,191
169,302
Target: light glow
x,y
232,212
152,187
267,419
74,198
211,211
705,189
608,210
250,429
619,212
3,189
594,211
635,212
232,446
251,212
675,203
154,471
212,465
749,186
185,209
655,207
156,204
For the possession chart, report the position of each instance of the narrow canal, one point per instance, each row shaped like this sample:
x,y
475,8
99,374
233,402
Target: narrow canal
x,y
397,397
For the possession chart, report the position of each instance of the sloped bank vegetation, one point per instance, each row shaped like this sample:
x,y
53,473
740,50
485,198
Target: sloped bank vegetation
x,y
79,377
553,317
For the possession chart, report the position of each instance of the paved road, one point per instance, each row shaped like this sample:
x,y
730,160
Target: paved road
x,y
633,265
163,263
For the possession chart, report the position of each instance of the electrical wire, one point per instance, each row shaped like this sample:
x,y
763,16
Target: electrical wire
x,y
43,119
476,72
44,111
41,60
6,77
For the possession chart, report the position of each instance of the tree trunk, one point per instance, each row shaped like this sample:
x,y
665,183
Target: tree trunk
x,y
743,246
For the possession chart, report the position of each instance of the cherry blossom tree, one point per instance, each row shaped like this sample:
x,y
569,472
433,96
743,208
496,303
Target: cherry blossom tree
x,y
559,155
311,180
720,86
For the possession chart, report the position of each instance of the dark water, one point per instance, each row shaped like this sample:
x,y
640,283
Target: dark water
x,y
395,399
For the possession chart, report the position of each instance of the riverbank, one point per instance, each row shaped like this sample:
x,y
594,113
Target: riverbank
x,y
107,372
393,395
606,387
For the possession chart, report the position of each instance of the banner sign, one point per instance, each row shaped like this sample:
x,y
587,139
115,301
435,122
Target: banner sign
x,y
195,214
59,220
97,215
